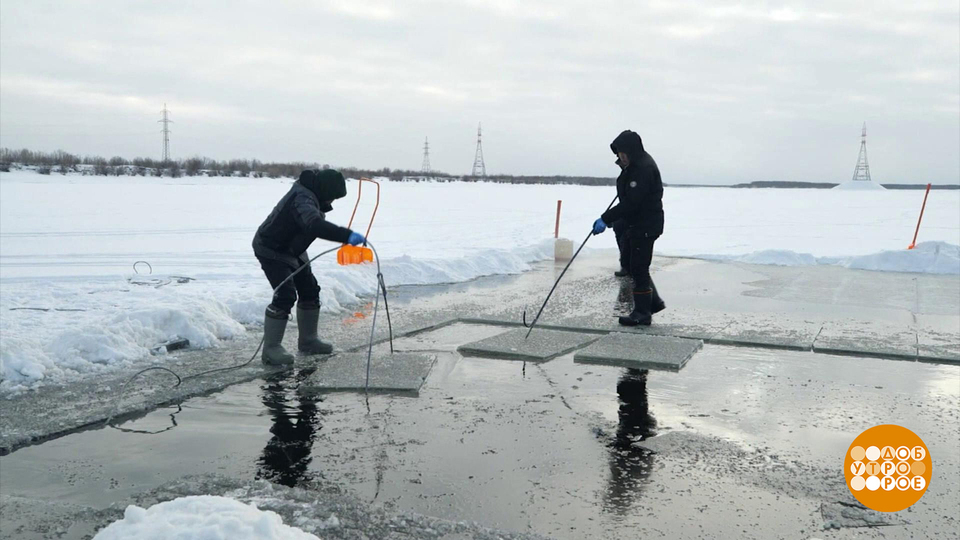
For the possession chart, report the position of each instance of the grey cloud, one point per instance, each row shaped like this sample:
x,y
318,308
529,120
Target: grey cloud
x,y
721,92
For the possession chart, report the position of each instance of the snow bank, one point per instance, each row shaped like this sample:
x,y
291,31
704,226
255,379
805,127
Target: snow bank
x,y
202,517
107,325
926,258
103,326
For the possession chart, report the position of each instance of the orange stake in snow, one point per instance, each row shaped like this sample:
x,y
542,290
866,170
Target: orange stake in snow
x,y
359,254
915,233
556,229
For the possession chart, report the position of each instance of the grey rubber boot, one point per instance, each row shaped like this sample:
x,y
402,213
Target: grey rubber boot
x,y
273,352
308,342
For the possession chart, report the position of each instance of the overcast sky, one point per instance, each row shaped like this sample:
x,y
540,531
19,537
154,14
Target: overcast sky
x,y
721,92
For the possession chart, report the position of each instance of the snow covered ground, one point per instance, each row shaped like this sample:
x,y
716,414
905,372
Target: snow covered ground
x,y
71,305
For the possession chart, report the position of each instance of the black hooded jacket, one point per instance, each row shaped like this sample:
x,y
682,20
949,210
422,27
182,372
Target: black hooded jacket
x,y
298,219
639,188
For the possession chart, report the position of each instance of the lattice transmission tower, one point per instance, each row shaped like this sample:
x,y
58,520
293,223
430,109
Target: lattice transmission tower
x,y
166,121
862,172
426,156
479,168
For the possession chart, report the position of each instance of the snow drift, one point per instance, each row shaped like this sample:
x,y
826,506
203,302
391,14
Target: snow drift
x,y
926,258
113,324
204,517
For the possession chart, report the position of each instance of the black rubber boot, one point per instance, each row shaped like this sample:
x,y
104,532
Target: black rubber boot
x,y
656,303
274,327
623,272
640,316
307,341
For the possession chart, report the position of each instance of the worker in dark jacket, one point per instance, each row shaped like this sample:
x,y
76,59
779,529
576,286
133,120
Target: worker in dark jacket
x,y
281,244
641,209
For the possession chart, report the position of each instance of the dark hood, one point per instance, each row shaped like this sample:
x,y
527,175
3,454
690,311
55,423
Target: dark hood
x,y
327,185
629,143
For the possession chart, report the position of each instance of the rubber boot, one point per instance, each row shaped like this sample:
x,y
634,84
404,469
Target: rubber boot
x,y
308,342
656,303
640,316
273,329
623,272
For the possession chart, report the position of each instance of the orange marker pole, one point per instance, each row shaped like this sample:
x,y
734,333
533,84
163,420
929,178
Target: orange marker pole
x,y
556,229
922,208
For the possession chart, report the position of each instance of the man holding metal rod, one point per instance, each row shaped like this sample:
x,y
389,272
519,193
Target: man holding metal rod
x,y
640,209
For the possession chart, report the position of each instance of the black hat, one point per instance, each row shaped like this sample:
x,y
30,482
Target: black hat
x,y
327,185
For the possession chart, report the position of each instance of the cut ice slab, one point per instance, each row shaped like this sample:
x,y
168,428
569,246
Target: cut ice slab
x,y
542,345
768,331
640,351
871,339
398,372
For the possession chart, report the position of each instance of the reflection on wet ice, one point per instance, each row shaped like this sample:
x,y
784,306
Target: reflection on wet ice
x,y
287,455
630,465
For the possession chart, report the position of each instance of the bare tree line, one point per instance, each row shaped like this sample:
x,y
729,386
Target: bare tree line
x,y
65,162
62,162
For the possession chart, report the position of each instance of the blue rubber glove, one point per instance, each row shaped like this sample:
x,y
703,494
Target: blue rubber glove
x,y
356,239
599,226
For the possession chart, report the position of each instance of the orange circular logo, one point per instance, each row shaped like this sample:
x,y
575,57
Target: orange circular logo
x,y
888,468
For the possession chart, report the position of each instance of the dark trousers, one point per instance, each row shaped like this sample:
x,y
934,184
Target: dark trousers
x,y
623,243
641,255
303,285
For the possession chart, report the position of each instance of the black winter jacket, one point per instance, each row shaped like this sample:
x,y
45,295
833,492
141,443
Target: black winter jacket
x,y
639,188
299,219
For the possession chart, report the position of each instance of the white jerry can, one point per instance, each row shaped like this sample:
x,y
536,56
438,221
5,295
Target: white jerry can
x,y
562,249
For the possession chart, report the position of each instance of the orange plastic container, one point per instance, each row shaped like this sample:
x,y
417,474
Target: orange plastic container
x,y
354,255
359,254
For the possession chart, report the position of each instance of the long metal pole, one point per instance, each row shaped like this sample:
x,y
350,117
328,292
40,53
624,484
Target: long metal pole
x,y
535,319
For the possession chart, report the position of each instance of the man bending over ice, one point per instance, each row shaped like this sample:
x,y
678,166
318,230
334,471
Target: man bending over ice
x,y
281,246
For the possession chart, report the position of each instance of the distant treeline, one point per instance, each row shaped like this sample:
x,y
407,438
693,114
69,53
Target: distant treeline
x,y
827,185
572,180
65,162
795,185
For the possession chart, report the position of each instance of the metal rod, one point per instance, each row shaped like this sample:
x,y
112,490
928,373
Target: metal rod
x,y
565,268
556,228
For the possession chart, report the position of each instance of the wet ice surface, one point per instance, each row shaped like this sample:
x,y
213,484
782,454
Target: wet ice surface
x,y
842,515
741,443
763,306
